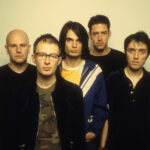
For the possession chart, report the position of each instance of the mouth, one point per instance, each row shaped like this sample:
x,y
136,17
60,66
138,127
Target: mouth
x,y
46,68
19,56
100,44
74,51
135,62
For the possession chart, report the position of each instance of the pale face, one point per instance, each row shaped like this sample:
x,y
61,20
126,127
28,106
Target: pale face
x,y
46,65
17,47
73,47
99,35
136,53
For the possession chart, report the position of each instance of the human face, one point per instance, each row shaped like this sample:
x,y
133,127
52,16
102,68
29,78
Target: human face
x,y
46,58
99,35
73,46
136,54
17,47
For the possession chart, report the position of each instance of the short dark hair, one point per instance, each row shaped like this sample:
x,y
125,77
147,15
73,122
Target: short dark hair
x,y
48,38
138,37
80,31
98,19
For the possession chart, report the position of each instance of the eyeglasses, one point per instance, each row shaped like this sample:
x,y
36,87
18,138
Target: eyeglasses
x,y
43,56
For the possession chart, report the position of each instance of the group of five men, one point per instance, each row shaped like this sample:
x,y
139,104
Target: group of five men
x,y
76,98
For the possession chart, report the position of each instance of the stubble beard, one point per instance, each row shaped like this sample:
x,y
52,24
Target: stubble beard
x,y
100,50
134,69
19,63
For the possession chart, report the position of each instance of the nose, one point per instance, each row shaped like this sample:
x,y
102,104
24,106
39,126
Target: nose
x,y
47,60
99,37
18,49
74,44
136,55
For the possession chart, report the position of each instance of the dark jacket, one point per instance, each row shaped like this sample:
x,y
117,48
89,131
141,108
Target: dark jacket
x,y
129,120
68,105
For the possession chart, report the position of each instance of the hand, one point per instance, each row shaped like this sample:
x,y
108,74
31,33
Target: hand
x,y
89,136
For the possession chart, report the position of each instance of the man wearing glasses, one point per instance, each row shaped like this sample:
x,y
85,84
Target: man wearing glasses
x,y
12,75
54,113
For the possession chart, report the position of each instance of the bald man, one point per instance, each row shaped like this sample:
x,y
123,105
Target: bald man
x,y
12,76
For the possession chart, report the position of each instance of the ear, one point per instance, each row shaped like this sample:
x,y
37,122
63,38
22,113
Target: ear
x,y
33,58
109,33
7,50
89,35
59,60
29,47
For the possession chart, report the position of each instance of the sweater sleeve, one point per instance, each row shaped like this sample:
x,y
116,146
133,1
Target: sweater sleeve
x,y
99,110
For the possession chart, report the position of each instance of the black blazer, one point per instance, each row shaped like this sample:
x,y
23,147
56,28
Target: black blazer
x,y
22,128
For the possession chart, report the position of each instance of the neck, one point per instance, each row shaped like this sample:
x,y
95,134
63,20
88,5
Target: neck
x,y
73,62
103,52
18,68
133,75
45,82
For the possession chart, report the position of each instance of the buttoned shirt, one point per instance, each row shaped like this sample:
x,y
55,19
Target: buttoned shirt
x,y
129,120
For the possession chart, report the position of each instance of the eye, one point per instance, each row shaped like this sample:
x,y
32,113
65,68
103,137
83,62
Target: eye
x,y
41,54
13,46
54,56
95,33
105,33
142,51
23,45
130,50
68,39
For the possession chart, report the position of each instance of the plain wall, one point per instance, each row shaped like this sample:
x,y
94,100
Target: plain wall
x,y
37,17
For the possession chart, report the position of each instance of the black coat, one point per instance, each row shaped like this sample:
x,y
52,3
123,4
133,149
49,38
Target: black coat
x,y
129,120
23,117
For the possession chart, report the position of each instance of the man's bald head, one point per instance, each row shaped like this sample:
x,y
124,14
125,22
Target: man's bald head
x,y
16,33
17,46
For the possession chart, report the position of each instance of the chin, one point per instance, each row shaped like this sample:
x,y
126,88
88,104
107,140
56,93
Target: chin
x,y
74,56
45,74
19,62
99,50
135,69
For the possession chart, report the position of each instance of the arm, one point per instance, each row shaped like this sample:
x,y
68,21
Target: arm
x,y
104,134
99,110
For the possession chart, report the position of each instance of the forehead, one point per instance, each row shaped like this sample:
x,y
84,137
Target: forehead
x,y
48,48
71,34
137,45
17,37
99,27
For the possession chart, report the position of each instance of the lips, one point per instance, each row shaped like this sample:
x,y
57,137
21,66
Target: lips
x,y
19,56
46,68
74,51
135,62
99,44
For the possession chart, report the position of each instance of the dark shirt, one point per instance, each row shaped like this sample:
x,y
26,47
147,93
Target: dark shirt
x,y
129,121
9,80
115,60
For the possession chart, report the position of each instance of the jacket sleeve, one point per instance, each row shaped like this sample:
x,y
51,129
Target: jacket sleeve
x,y
27,110
99,110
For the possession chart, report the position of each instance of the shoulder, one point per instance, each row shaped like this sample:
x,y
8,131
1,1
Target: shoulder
x,y
4,72
117,52
63,86
4,68
31,67
115,75
25,88
92,65
68,93
147,76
